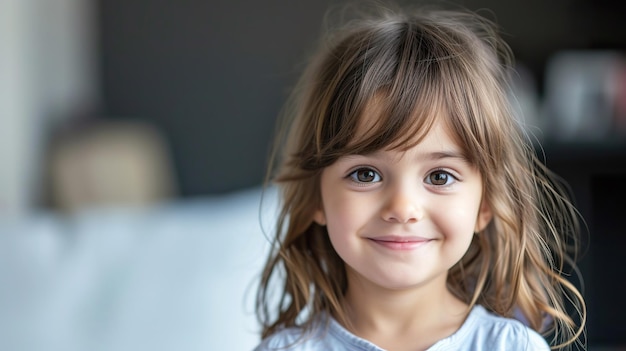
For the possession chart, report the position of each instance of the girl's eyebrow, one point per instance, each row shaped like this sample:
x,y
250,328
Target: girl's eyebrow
x,y
438,155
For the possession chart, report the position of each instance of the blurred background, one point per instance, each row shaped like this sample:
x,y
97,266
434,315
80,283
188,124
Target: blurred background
x,y
133,142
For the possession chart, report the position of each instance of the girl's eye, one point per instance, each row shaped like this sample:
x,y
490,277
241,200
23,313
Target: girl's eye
x,y
365,175
440,178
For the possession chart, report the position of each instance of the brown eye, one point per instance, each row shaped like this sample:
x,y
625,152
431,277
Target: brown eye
x,y
439,178
365,175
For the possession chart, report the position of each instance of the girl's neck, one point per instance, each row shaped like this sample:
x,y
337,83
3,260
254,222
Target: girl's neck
x,y
397,319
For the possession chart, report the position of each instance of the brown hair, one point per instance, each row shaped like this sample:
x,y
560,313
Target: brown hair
x,y
417,63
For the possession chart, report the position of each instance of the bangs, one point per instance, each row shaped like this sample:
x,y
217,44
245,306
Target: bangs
x,y
399,77
384,123
384,87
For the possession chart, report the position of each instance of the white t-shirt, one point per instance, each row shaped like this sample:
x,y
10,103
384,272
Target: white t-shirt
x,y
480,331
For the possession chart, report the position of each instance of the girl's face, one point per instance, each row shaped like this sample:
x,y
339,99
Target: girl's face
x,y
401,219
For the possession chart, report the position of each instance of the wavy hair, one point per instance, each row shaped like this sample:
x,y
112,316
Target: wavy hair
x,y
418,63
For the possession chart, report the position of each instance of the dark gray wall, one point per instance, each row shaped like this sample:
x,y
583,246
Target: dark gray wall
x,y
212,74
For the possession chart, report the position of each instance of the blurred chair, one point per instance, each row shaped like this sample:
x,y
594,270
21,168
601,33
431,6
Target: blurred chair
x,y
110,164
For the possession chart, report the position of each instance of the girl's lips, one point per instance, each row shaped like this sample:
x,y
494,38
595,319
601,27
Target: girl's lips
x,y
400,242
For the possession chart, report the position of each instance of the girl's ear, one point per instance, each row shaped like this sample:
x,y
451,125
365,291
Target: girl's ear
x,y
319,217
484,216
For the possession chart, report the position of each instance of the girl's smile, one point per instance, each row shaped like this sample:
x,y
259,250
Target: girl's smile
x,y
400,242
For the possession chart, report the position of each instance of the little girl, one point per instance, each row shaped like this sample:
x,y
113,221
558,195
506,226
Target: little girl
x,y
414,214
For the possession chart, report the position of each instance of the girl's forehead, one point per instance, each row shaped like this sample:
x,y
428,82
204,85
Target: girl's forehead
x,y
370,118
374,123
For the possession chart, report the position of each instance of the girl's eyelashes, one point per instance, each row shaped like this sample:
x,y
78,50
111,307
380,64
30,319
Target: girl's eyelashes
x,y
440,177
365,175
368,175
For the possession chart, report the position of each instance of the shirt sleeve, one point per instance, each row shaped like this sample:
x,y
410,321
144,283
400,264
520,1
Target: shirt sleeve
x,y
537,342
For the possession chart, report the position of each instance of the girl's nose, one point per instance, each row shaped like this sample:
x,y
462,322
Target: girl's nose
x,y
403,206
